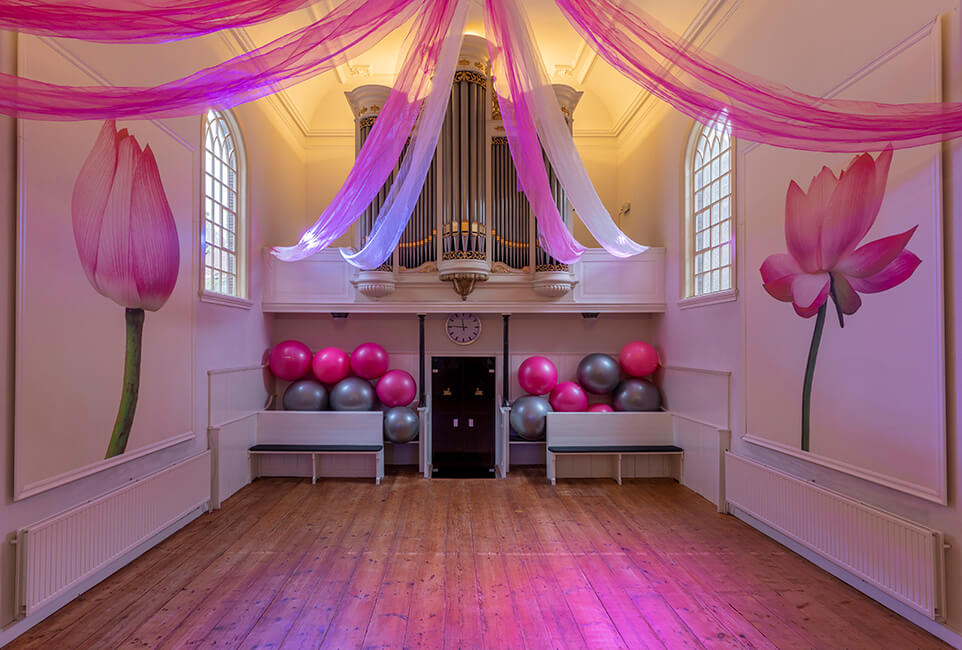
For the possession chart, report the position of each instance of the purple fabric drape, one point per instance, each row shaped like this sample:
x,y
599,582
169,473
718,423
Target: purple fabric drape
x,y
758,110
143,21
517,115
406,190
350,29
384,144
527,98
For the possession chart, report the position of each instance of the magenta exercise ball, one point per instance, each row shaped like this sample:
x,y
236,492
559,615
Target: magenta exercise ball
x,y
369,360
638,359
600,408
396,388
290,360
568,396
331,365
537,375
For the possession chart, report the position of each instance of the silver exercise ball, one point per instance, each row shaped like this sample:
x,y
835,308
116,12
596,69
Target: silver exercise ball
x,y
529,416
305,395
352,394
400,424
636,395
599,374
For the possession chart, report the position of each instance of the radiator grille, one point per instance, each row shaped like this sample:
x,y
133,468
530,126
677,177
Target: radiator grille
x,y
903,559
60,552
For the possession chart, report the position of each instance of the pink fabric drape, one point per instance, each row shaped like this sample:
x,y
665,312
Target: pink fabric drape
x,y
527,98
406,190
350,29
517,115
142,21
759,110
384,144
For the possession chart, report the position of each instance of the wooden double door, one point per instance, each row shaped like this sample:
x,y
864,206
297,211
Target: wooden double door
x,y
463,409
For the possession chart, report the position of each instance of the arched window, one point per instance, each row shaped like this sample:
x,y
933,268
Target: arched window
x,y
710,231
224,224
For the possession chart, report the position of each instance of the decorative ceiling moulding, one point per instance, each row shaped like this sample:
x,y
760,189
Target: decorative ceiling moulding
x,y
701,30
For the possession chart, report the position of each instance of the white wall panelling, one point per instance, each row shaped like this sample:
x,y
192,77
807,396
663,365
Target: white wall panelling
x,y
322,283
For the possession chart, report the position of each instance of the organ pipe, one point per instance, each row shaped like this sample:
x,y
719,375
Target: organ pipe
x,y
471,206
463,136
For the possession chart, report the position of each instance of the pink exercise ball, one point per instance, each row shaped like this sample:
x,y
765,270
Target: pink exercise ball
x,y
537,375
369,360
331,365
568,396
290,360
601,408
396,388
638,359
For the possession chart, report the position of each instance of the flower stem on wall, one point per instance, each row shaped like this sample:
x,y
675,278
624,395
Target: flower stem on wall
x,y
810,376
131,389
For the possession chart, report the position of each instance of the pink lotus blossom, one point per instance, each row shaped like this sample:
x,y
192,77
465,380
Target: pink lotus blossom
x,y
123,226
822,230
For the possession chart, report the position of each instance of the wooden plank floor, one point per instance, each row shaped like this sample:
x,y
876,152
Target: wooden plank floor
x,y
471,564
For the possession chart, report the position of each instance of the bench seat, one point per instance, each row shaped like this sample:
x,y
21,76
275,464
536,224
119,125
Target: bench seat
x,y
319,450
617,449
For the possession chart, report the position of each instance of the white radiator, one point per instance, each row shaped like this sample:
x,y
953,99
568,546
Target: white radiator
x,y
60,552
901,558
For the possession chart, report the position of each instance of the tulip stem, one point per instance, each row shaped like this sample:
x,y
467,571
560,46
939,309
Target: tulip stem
x,y
131,389
810,376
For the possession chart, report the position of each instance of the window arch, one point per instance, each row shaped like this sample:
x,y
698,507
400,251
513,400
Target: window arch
x,y
225,220
709,223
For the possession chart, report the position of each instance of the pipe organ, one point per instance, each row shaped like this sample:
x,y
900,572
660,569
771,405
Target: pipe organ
x,y
472,219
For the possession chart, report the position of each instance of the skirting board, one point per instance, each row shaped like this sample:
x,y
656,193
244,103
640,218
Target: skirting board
x,y
17,628
951,637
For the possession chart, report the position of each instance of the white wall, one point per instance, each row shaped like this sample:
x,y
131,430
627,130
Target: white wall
x,y
224,336
797,44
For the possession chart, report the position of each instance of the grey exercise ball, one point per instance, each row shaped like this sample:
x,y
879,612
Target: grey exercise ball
x,y
352,394
305,395
599,374
529,416
400,424
636,395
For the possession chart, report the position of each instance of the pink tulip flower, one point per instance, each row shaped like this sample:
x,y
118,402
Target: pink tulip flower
x,y
127,242
823,230
125,232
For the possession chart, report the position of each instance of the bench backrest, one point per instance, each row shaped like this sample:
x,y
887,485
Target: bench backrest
x,y
320,427
624,428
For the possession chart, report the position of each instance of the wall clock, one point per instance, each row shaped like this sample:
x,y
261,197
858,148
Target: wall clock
x,y
463,329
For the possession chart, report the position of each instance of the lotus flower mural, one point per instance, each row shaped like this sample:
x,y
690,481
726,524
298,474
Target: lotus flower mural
x,y
128,246
823,230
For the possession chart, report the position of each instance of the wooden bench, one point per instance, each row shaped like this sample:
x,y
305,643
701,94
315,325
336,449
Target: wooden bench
x,y
318,434
319,450
610,434
616,450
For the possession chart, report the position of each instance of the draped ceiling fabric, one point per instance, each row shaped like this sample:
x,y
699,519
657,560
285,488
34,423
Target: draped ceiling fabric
x,y
630,40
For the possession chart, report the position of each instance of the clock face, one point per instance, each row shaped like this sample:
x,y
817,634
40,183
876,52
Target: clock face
x,y
463,329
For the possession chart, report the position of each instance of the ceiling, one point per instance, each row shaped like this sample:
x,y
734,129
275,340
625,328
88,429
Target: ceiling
x,y
317,107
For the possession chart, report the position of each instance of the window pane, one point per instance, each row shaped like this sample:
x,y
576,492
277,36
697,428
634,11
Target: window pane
x,y
709,179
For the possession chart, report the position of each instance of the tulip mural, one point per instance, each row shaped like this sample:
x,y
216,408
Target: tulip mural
x,y
128,247
823,230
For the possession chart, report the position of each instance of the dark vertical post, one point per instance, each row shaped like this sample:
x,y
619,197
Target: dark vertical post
x,y
505,362
421,400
